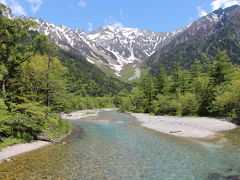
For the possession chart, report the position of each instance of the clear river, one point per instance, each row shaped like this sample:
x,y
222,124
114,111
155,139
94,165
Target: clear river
x,y
113,146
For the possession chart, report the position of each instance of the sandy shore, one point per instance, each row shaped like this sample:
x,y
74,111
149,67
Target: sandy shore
x,y
184,126
17,149
84,113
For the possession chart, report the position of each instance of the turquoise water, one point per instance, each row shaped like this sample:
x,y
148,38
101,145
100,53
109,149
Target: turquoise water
x,y
121,149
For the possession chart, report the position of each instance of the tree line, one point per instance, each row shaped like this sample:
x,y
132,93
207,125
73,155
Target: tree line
x,y
209,88
32,84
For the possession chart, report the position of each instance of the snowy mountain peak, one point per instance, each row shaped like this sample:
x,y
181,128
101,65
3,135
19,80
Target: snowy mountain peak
x,y
79,31
115,47
64,28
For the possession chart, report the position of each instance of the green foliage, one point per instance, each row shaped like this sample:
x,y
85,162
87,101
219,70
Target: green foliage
x,y
180,81
43,46
32,86
123,101
204,93
186,50
5,130
56,127
166,105
35,84
189,104
227,102
127,73
138,100
41,81
85,79
209,89
147,86
10,141
3,72
79,103
162,81
222,70
126,104
16,46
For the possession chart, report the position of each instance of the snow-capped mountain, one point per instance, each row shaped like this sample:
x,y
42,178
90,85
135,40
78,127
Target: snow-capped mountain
x,y
116,48
129,45
67,39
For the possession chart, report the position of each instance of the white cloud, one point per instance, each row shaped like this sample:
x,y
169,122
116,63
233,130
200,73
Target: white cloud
x,y
35,5
3,2
82,4
90,26
216,4
17,9
118,25
112,22
201,11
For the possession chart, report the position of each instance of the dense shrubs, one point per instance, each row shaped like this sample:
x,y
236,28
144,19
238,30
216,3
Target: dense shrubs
x,y
79,103
165,105
188,104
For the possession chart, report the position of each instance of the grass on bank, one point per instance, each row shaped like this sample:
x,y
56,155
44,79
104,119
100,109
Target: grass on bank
x,y
56,128
89,113
53,128
127,73
10,141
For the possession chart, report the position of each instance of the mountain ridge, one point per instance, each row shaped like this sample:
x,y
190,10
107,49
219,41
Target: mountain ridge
x,y
109,46
116,48
121,48
206,35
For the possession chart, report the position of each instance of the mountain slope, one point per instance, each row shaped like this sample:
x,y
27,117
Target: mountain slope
x,y
85,79
116,48
128,45
219,30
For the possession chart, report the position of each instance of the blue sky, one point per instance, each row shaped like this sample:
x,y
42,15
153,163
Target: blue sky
x,y
154,15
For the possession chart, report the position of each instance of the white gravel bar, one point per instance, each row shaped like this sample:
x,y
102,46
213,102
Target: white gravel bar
x,y
17,149
195,127
84,113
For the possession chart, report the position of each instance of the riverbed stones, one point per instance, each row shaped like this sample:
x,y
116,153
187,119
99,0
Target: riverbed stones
x,y
216,176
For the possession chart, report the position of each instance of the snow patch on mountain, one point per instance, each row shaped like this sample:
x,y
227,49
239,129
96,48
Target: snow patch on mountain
x,y
114,47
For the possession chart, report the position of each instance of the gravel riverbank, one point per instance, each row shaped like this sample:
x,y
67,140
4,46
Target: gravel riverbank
x,y
84,113
195,127
17,149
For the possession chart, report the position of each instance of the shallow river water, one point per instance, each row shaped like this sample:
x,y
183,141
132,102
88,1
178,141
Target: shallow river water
x,y
116,147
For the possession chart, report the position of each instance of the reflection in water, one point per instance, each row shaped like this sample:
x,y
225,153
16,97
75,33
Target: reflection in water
x,y
118,148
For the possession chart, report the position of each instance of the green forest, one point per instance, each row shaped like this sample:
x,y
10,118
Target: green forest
x,y
209,89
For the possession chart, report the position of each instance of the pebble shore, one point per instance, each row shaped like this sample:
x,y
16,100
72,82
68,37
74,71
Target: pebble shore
x,y
195,127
